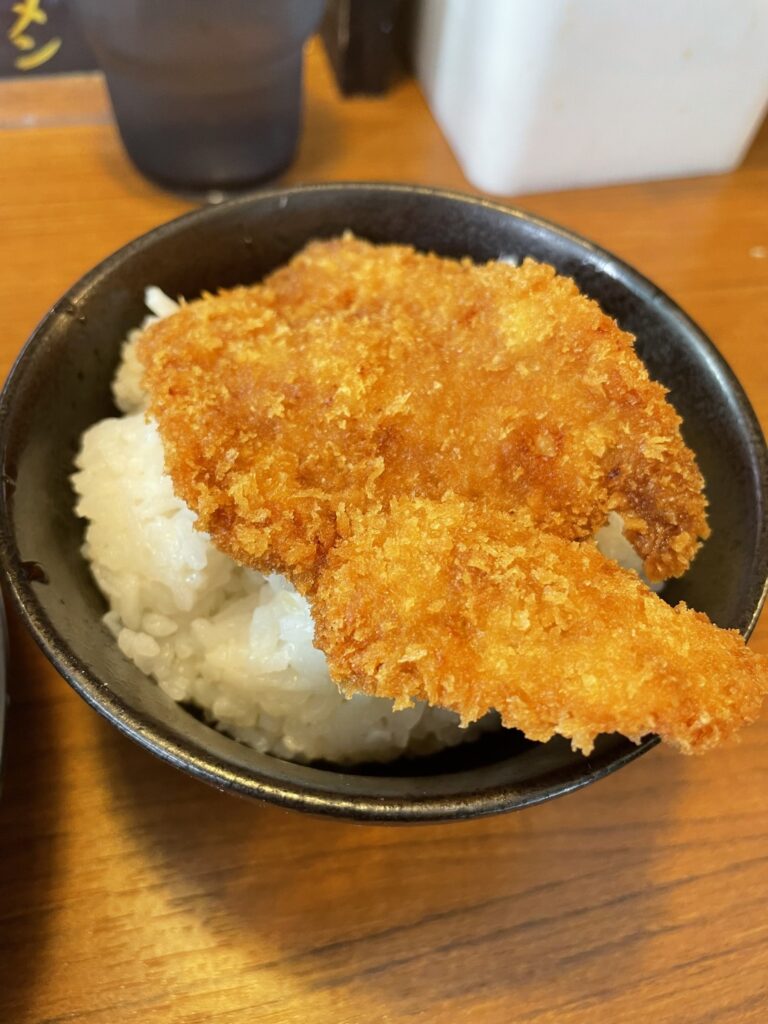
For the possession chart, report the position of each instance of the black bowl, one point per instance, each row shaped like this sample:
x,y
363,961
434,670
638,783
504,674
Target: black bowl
x,y
60,385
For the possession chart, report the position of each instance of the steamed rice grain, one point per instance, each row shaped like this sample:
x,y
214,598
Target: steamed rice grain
x,y
233,642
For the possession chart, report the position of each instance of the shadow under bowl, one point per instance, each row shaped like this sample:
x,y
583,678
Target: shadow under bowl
x,y
60,385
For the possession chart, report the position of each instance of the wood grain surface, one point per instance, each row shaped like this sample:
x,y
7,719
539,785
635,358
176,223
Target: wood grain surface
x,y
131,893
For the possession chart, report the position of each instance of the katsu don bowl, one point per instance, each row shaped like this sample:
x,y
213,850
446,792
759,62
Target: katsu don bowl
x,y
61,386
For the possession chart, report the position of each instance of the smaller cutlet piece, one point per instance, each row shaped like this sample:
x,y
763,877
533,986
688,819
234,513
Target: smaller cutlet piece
x,y
359,373
470,608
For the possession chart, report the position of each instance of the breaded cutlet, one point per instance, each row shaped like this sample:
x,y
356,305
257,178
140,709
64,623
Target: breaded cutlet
x,y
359,373
471,608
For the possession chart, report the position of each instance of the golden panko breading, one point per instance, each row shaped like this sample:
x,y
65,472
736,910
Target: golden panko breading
x,y
360,373
470,608
424,446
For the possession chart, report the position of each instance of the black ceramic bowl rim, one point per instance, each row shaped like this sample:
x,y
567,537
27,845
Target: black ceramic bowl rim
x,y
290,793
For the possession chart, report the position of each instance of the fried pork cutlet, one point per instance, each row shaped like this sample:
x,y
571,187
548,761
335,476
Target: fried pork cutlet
x,y
470,608
359,373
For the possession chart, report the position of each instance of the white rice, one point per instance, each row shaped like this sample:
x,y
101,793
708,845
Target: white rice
x,y
235,643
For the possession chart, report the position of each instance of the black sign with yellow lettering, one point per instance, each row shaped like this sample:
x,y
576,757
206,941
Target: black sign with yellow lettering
x,y
41,37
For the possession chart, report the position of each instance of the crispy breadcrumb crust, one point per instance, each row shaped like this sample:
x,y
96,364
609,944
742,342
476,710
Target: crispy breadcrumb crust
x,y
359,373
424,446
470,608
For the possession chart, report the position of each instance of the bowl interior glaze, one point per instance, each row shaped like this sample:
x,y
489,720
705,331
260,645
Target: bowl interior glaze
x,y
60,385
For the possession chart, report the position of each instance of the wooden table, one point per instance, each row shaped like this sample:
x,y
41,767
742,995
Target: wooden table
x,y
131,893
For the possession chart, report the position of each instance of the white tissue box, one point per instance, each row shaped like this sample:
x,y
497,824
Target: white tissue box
x,y
547,94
